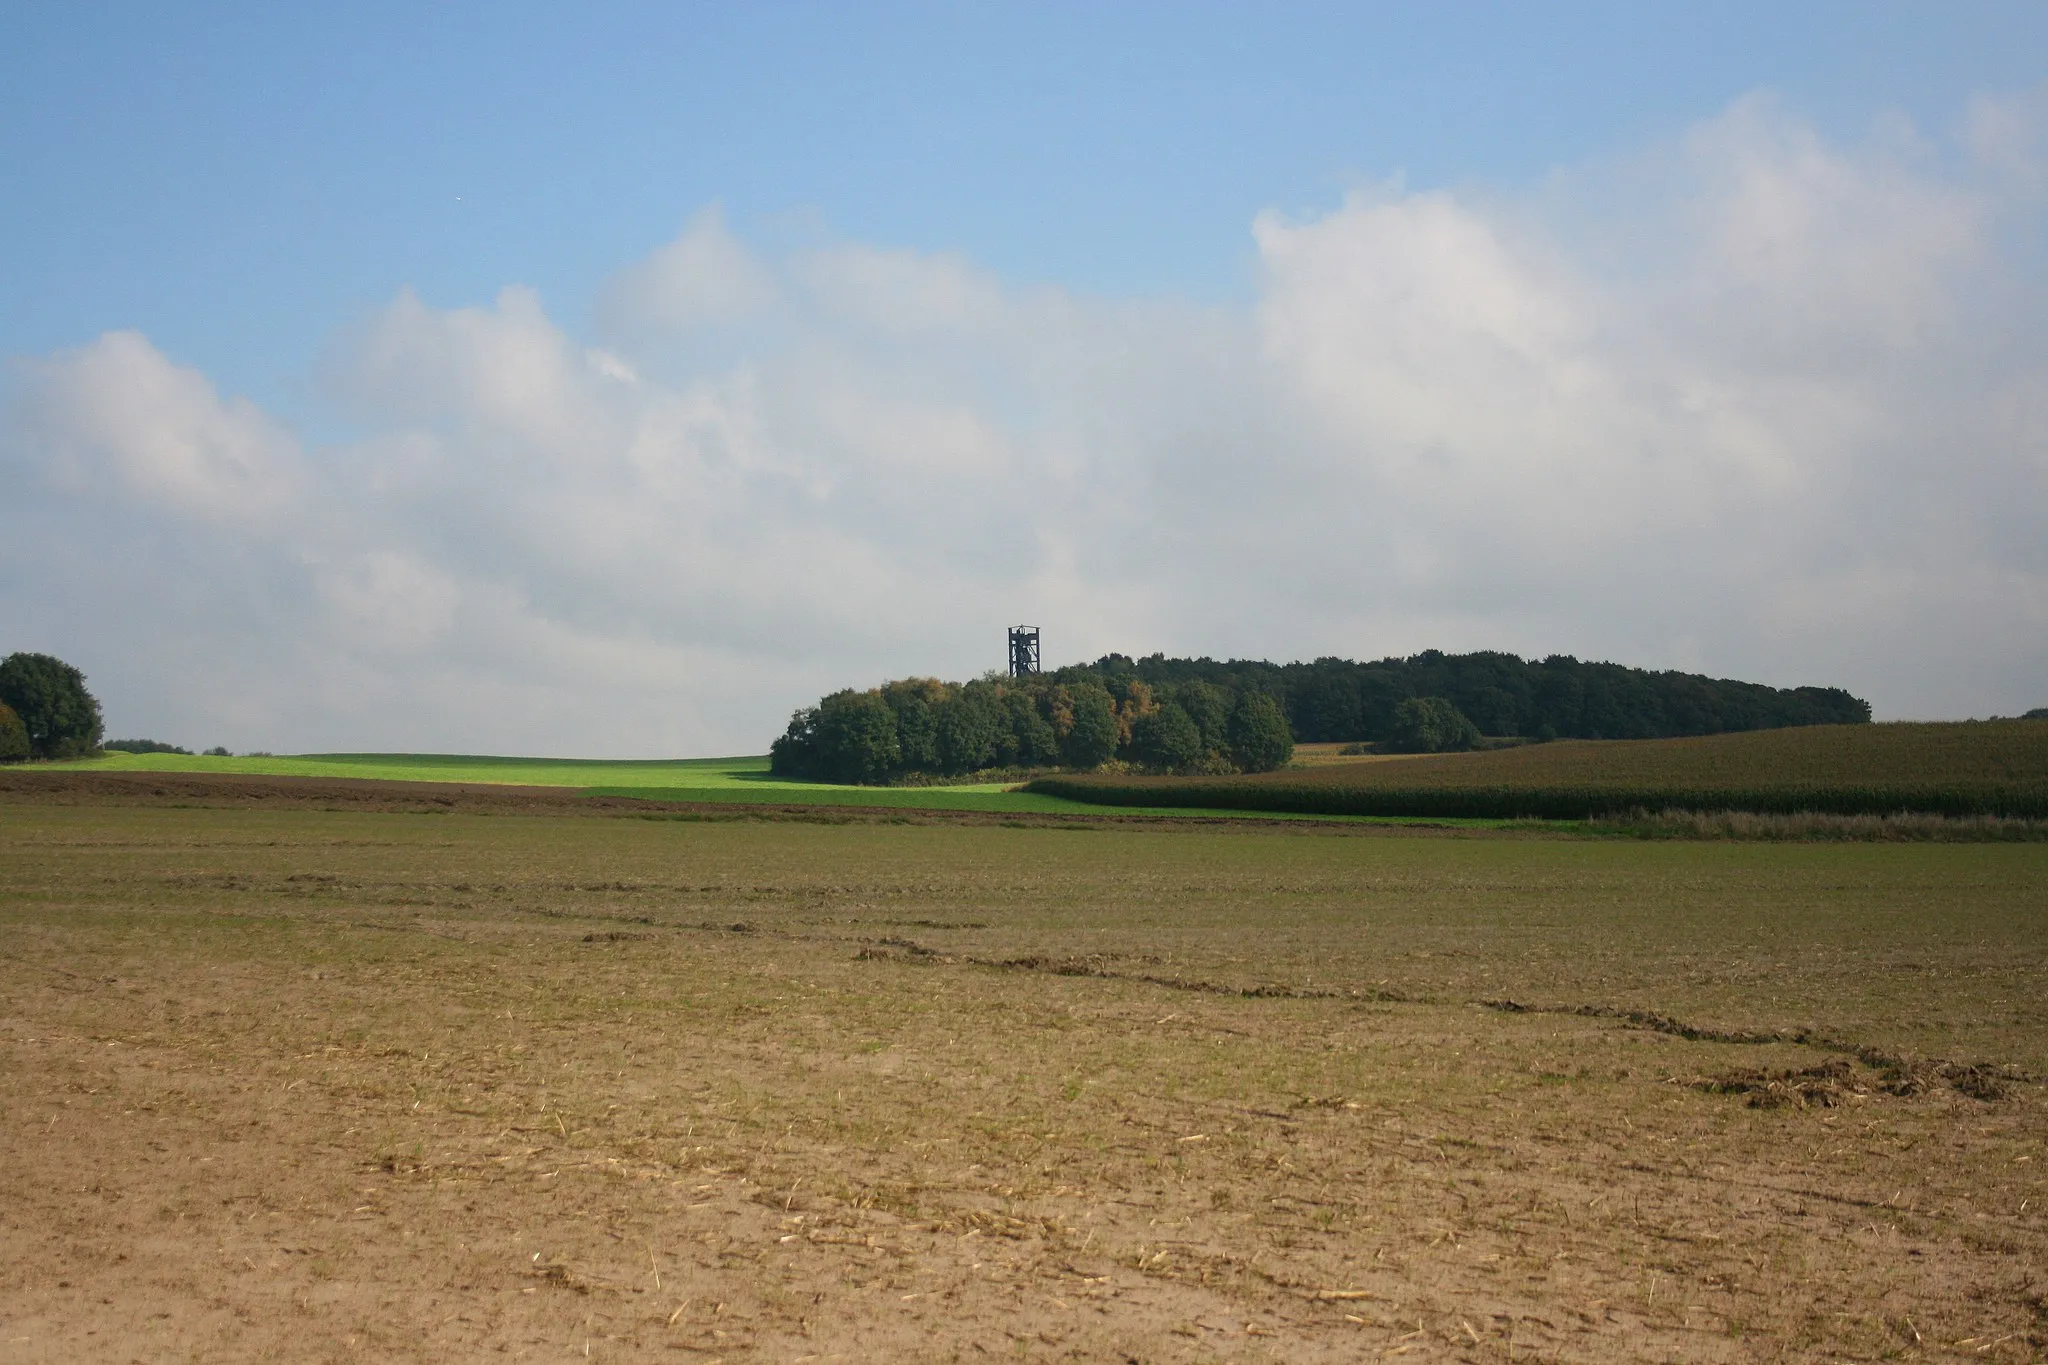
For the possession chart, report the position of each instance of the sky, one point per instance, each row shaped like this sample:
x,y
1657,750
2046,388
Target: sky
x,y
610,381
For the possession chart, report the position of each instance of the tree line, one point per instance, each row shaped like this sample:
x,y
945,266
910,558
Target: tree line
x,y
922,727
1558,697
1195,716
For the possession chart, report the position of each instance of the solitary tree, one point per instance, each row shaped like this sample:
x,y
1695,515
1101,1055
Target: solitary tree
x,y
62,719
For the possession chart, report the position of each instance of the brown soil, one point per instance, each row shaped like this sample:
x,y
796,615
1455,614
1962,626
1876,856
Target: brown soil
x,y
282,1082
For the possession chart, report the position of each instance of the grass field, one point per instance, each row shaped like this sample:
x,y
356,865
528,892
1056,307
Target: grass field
x,y
318,1085
744,780
697,774
1971,768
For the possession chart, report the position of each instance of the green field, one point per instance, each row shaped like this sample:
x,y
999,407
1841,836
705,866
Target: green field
x,y
619,774
1997,768
1991,768
743,780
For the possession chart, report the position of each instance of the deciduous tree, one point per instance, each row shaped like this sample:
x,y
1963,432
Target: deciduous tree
x,y
13,736
61,717
1259,738
1431,725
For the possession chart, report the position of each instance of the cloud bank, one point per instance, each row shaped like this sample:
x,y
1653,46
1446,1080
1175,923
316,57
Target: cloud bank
x,y
1750,403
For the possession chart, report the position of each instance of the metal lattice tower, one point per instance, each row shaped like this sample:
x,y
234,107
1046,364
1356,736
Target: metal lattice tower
x,y
1023,651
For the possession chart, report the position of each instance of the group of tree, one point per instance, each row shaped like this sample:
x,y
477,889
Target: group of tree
x,y
922,727
1557,697
45,711
1202,716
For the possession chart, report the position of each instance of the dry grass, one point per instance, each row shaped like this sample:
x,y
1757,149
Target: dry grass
x,y
1810,827
296,1084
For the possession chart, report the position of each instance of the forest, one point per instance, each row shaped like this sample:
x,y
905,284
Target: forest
x,y
1552,698
1199,716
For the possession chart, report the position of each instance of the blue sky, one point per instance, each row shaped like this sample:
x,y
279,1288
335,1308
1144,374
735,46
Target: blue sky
x,y
265,196
232,179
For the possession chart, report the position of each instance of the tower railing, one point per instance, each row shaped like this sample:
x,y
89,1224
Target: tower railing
x,y
1023,651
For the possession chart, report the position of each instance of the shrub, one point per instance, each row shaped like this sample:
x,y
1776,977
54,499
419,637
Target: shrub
x,y
61,717
1431,725
142,746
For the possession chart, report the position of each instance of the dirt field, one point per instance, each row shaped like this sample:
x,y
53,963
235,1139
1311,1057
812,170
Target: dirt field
x,y
547,1081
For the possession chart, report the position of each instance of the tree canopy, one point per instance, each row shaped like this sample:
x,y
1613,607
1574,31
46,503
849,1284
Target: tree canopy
x,y
1259,738
48,695
925,728
1201,716
1431,725
1340,700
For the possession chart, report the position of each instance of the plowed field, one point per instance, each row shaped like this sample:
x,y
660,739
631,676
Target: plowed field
x,y
448,1081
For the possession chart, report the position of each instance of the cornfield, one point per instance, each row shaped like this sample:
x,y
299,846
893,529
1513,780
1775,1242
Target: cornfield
x,y
1970,768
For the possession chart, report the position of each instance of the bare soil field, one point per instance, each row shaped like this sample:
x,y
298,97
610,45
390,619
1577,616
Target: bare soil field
x,y
304,1077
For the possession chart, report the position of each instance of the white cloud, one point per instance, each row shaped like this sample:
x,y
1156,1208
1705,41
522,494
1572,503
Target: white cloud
x,y
705,276
1753,402
115,418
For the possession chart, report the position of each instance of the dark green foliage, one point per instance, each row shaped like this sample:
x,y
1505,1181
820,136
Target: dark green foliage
x,y
1338,700
1208,706
1092,733
1085,715
219,751
795,752
856,738
13,736
1259,737
1431,725
2038,713
1026,739
966,729
917,730
142,746
62,719
1168,739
